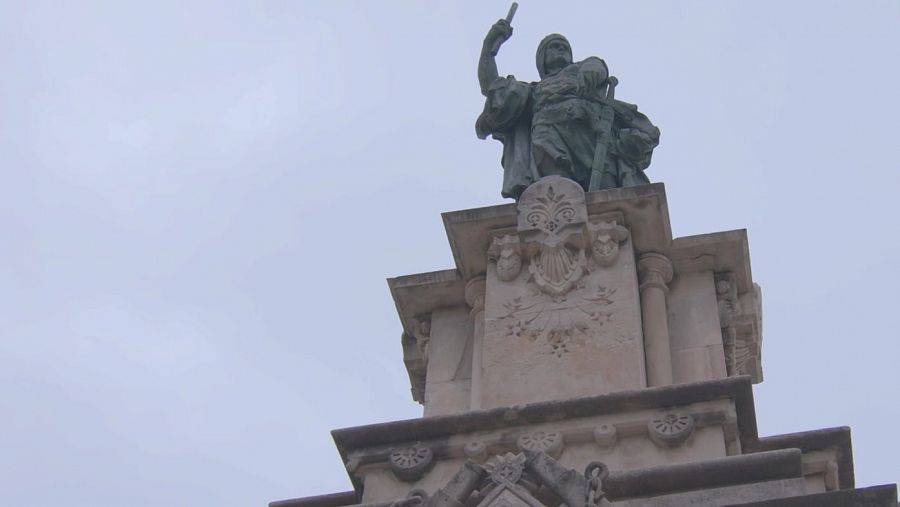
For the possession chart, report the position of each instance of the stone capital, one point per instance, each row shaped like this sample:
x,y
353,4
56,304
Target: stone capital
x,y
655,270
475,288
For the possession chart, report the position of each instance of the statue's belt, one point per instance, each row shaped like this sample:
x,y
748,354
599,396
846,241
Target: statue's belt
x,y
568,110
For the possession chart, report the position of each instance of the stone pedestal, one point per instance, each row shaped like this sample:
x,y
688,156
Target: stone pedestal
x,y
566,294
562,312
579,355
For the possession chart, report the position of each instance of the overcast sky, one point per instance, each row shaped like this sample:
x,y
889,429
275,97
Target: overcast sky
x,y
200,202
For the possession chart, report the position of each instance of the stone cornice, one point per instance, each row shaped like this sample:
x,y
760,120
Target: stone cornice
x,y
739,389
837,439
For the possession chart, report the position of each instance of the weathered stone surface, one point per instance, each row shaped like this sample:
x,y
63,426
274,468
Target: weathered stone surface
x,y
566,323
772,465
329,500
485,238
449,354
737,389
833,440
695,336
876,496
715,497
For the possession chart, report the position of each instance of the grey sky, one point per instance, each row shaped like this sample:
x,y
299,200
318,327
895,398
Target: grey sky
x,y
201,201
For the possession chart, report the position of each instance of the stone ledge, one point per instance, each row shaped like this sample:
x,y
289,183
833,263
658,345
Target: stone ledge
x,y
732,470
876,496
817,440
329,500
738,389
432,428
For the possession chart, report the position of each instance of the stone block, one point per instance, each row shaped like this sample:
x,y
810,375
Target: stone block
x,y
562,310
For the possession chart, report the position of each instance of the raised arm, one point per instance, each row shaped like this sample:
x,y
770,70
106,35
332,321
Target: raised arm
x,y
487,63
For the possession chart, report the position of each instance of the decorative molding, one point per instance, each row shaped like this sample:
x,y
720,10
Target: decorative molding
x,y
552,226
729,310
605,240
506,253
671,429
606,435
475,294
506,469
655,270
475,450
416,365
550,442
411,463
420,328
561,323
740,318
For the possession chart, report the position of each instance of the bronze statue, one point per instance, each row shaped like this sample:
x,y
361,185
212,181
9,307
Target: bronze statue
x,y
568,124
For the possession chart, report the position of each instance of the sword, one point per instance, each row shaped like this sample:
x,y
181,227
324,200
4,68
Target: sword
x,y
604,137
509,17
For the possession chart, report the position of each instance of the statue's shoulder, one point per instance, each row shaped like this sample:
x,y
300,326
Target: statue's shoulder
x,y
593,61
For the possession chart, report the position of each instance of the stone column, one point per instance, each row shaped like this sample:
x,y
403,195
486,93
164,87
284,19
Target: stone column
x,y
475,299
655,272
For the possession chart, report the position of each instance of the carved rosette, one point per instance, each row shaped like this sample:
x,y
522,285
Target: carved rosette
x,y
671,429
550,442
411,463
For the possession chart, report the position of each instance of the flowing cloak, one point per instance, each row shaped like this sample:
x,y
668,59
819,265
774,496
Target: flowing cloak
x,y
547,128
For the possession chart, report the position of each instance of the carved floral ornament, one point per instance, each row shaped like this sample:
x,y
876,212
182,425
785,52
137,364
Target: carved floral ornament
x,y
560,325
550,442
556,238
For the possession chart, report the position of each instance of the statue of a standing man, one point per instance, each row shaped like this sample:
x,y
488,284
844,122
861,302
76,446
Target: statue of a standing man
x,y
568,124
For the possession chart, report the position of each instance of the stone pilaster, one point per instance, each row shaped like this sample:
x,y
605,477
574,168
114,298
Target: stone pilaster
x,y
475,299
655,271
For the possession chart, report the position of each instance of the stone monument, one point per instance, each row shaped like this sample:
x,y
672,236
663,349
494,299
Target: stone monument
x,y
578,354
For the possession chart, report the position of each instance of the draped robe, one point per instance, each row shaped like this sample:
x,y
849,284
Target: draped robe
x,y
547,128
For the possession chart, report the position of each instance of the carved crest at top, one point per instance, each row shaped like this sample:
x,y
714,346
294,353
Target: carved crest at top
x,y
551,210
551,222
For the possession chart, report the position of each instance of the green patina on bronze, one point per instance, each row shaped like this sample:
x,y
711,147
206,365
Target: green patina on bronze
x,y
568,124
